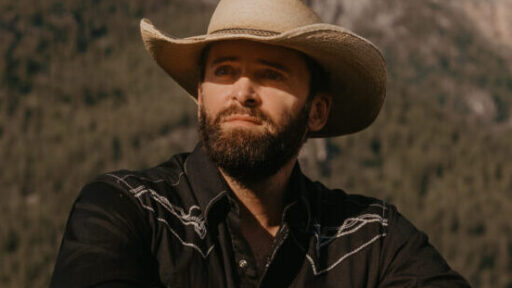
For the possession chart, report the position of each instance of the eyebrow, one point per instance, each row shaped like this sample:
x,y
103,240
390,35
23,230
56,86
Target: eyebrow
x,y
275,65
224,59
272,64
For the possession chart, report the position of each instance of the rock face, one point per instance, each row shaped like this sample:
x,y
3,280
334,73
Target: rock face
x,y
448,43
80,96
456,38
493,19
450,66
342,12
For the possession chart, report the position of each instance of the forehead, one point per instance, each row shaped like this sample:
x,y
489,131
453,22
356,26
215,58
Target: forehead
x,y
255,51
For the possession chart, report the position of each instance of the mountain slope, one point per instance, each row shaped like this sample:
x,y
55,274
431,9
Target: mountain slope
x,y
80,96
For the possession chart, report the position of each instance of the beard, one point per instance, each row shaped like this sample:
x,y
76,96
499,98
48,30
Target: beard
x,y
251,156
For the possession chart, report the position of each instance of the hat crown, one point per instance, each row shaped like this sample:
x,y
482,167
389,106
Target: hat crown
x,y
266,15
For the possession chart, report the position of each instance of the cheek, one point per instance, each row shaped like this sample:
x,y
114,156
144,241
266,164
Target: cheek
x,y
280,114
211,97
280,103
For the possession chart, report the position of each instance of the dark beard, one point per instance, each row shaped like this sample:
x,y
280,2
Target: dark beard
x,y
250,157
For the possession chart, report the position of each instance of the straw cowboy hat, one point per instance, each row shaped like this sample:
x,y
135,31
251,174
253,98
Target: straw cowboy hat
x,y
355,66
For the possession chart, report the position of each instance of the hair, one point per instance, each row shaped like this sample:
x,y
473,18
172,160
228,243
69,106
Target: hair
x,y
319,78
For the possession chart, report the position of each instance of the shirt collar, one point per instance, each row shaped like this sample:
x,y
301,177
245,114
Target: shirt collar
x,y
208,186
297,210
211,190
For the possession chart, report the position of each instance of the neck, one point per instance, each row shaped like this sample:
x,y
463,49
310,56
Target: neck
x,y
264,199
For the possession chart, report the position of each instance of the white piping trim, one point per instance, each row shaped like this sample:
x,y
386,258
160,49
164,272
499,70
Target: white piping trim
x,y
119,179
312,262
188,244
382,206
179,179
185,218
197,221
349,226
213,199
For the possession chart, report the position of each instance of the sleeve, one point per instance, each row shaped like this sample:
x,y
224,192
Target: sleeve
x,y
409,259
106,242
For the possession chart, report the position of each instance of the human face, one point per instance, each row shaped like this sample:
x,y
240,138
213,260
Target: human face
x,y
270,79
257,93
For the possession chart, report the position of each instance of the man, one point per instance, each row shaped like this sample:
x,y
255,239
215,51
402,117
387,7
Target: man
x,y
237,211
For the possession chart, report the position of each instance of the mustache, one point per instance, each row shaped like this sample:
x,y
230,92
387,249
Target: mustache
x,y
235,109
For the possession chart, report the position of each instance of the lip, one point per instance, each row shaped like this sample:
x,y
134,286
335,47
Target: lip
x,y
243,119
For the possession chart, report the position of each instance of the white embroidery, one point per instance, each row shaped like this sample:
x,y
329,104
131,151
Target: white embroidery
x,y
214,199
382,206
119,179
345,256
122,179
193,217
349,226
187,218
188,244
137,195
179,179
135,176
326,235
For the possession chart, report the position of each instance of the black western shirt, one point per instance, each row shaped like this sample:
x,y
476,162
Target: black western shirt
x,y
177,225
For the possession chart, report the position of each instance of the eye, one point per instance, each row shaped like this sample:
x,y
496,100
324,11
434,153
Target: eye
x,y
273,75
224,70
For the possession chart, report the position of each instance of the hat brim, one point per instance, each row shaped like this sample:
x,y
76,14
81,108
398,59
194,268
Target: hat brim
x,y
355,66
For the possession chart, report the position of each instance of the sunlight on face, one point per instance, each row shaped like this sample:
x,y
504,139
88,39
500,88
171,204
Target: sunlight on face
x,y
266,85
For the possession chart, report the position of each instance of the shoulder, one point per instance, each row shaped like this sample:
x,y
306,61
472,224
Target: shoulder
x,y
113,221
364,234
340,208
336,205
129,190
349,217
169,172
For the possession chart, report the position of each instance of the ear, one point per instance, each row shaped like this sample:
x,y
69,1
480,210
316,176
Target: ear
x,y
319,112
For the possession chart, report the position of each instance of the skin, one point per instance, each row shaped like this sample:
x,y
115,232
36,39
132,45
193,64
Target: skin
x,y
274,80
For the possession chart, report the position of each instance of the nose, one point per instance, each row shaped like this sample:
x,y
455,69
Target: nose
x,y
244,91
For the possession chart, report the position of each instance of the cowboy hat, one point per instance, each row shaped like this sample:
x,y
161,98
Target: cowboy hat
x,y
356,68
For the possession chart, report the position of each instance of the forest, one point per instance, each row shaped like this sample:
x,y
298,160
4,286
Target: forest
x,y
80,96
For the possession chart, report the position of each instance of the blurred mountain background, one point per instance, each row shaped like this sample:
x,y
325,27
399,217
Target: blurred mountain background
x,y
79,96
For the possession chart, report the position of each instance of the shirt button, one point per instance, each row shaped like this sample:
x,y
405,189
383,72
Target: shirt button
x,y
243,264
